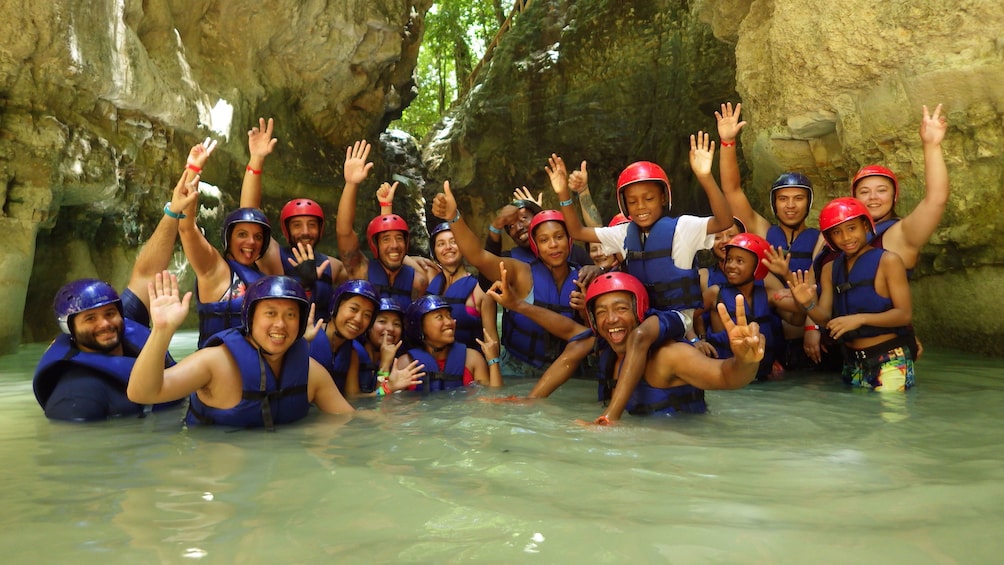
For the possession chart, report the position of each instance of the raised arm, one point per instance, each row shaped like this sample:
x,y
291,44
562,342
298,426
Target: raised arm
x,y
260,145
356,171
916,229
578,182
729,127
702,155
562,327
558,174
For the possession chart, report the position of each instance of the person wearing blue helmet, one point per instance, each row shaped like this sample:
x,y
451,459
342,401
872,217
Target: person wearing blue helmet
x,y
382,342
82,376
259,374
448,364
222,279
338,348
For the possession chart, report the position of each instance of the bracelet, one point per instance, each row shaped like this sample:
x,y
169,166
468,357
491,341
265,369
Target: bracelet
x,y
494,230
564,203
693,341
494,361
252,171
724,143
455,218
383,389
170,214
385,204
603,421
193,168
811,328
810,306
383,373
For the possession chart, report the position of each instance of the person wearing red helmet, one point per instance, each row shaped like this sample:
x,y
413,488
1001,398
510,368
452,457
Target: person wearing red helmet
x,y
675,373
387,235
302,224
863,300
745,273
550,279
256,375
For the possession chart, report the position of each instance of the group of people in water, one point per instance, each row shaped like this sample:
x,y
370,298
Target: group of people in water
x,y
284,327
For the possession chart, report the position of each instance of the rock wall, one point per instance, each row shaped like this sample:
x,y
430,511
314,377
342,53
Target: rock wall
x,y
100,101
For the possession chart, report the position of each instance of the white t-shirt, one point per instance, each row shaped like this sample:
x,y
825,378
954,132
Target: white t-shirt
x,y
691,236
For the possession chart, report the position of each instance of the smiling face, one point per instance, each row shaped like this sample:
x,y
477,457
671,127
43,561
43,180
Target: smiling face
x,y
645,202
99,330
246,241
851,236
721,238
303,229
792,206
439,328
878,195
552,242
601,259
614,316
391,248
353,317
518,231
386,324
740,265
445,250
275,324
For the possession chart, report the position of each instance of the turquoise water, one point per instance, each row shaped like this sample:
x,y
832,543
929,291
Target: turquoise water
x,y
796,471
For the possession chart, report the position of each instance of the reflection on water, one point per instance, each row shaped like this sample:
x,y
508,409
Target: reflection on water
x,y
801,470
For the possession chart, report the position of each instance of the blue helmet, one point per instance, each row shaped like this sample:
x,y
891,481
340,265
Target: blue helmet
x,y
417,310
436,230
247,216
790,180
390,305
357,287
274,287
80,295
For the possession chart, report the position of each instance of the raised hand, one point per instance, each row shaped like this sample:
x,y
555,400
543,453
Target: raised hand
x,y
306,265
385,194
313,328
747,344
558,174
525,194
501,292
260,140
444,205
802,288
388,349
777,260
933,126
356,167
407,377
167,310
578,180
185,195
702,153
200,153
729,125
489,347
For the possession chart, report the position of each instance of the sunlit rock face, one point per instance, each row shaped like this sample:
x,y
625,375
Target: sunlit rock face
x,y
102,100
826,87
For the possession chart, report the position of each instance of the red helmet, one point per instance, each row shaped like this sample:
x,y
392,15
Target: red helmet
x,y
757,246
301,207
615,282
876,171
840,210
386,222
540,218
642,171
618,219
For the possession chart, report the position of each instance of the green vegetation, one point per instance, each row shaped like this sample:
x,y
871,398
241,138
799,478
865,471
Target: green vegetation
x,y
457,32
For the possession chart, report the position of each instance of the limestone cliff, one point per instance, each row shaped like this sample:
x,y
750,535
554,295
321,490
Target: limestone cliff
x,y
100,101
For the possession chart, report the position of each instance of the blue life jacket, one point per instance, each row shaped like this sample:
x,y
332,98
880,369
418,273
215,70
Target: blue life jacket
x,y
854,293
337,363
217,316
114,369
647,399
266,400
525,339
400,291
367,369
799,250
321,295
452,374
469,327
523,254
757,310
669,287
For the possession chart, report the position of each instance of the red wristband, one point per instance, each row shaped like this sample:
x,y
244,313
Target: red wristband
x,y
386,204
727,143
810,328
252,171
193,168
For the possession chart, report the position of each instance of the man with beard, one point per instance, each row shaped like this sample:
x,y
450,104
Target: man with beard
x,y
387,235
790,201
